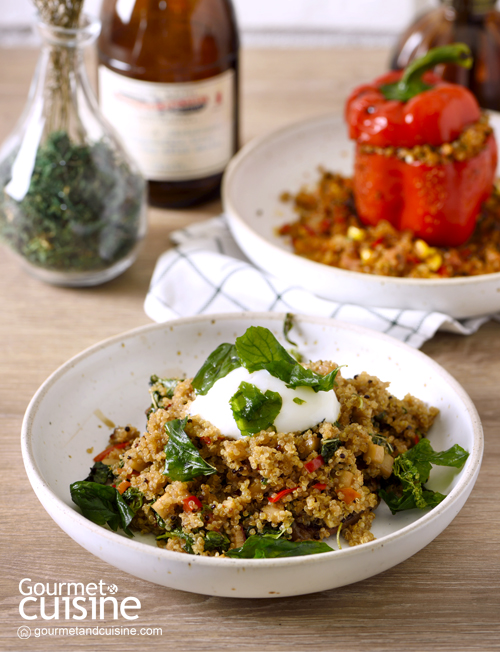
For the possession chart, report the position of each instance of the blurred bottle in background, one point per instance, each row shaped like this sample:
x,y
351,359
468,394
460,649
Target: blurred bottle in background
x,y
168,83
474,22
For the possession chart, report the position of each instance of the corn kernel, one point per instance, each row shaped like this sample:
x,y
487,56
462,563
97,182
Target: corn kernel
x,y
353,233
421,249
434,262
366,255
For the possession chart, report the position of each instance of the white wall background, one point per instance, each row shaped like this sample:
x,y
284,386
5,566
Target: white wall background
x,y
273,22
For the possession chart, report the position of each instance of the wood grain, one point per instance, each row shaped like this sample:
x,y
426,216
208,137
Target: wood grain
x,y
446,598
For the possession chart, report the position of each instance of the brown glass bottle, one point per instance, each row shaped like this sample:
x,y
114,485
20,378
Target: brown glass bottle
x,y
168,82
474,22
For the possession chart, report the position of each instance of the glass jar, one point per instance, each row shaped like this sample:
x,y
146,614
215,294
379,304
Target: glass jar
x,y
72,203
474,22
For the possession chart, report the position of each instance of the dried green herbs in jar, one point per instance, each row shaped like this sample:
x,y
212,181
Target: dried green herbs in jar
x,y
72,202
82,210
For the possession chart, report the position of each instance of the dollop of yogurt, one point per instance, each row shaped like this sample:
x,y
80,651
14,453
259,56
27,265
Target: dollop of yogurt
x,y
311,408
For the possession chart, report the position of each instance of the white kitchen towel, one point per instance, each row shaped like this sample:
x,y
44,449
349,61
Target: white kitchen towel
x,y
207,273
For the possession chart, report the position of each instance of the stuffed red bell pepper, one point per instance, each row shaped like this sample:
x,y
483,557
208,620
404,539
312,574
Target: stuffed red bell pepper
x,y
425,156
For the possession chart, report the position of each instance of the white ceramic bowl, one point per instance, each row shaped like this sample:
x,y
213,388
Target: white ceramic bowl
x,y
64,419
288,159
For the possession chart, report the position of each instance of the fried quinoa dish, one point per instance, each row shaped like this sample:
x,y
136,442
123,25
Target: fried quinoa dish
x,y
328,231
268,493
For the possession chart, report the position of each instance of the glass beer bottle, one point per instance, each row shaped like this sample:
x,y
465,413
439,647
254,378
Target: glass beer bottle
x,y
474,22
168,83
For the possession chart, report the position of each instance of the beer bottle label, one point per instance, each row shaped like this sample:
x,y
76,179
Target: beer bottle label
x,y
175,132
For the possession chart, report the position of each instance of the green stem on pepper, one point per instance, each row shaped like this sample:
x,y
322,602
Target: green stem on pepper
x,y
411,83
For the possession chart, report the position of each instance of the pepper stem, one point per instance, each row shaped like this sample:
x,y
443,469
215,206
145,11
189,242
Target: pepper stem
x,y
411,82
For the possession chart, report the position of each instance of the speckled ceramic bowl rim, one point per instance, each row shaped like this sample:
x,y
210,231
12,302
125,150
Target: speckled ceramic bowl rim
x,y
320,268
42,489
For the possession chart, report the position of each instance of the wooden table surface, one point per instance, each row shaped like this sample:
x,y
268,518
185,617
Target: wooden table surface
x,y
444,598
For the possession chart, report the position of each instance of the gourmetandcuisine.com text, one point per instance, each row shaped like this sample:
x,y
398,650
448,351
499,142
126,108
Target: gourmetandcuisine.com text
x,y
97,631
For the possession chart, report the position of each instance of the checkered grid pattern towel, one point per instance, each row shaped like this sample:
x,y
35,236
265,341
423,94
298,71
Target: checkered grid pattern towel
x,y
207,273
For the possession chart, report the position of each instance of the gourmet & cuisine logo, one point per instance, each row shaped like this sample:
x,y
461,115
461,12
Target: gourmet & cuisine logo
x,y
75,601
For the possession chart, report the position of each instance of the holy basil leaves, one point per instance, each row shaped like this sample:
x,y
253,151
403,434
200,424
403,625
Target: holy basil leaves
x,y
179,534
218,364
216,541
412,470
134,498
329,448
258,349
381,440
260,546
423,457
254,410
182,459
287,327
100,473
161,388
213,540
102,504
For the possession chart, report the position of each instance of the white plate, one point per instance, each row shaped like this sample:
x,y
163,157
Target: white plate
x,y
64,419
285,161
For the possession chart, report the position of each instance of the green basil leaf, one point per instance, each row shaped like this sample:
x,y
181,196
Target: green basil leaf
x,y
134,498
455,456
183,461
423,456
161,388
407,501
100,473
266,547
216,541
287,327
218,364
302,377
288,324
126,512
413,468
254,410
168,385
258,349
381,440
274,533
398,503
102,504
410,477
179,534
329,447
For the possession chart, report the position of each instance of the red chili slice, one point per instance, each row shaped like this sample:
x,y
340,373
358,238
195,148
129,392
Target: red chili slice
x,y
314,464
103,454
275,497
192,504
